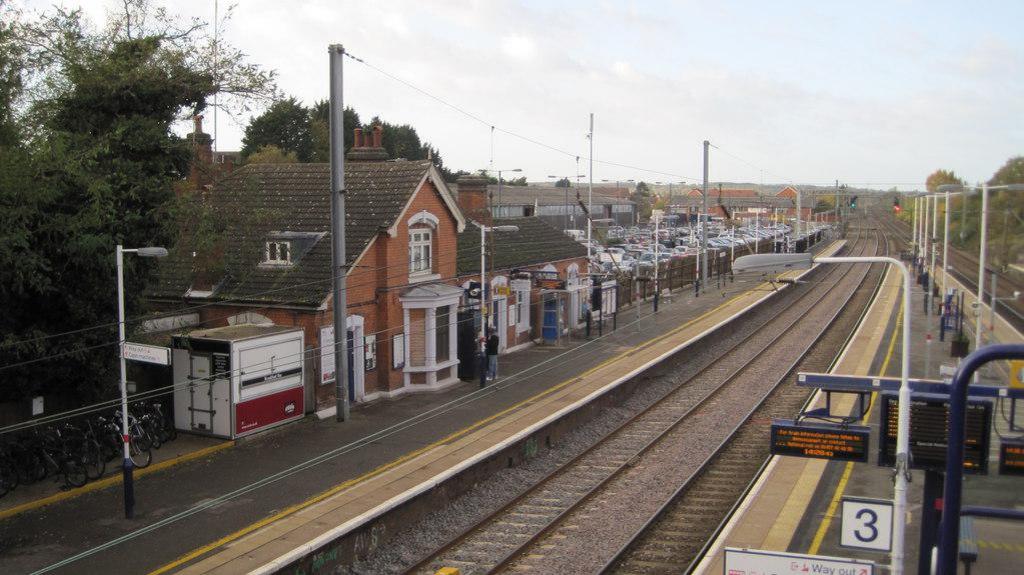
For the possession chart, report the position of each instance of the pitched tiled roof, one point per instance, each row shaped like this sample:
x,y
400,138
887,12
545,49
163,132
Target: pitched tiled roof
x,y
550,195
260,200
536,242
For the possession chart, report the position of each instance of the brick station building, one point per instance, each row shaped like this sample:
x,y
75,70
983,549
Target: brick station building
x,y
406,236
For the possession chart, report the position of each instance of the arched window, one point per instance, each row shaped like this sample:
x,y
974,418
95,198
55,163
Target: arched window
x,y
421,243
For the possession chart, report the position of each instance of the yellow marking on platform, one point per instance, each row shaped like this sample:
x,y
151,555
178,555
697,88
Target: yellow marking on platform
x,y
413,454
111,480
819,535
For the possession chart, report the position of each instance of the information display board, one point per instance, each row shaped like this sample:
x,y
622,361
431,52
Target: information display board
x,y
929,430
1011,456
820,440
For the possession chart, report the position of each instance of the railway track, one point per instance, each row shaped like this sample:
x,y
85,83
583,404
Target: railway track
x,y
677,536
964,268
677,433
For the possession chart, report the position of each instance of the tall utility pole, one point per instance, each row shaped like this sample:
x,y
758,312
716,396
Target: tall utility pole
x,y
914,241
590,187
935,242
978,326
798,208
704,224
338,263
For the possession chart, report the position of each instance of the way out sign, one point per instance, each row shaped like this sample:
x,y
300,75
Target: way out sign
x,y
756,562
867,524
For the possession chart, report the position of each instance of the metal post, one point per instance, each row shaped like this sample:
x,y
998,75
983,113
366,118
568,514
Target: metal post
x,y
902,470
992,309
590,187
797,222
566,224
704,223
929,520
127,469
657,244
949,529
945,247
483,308
935,238
914,241
978,324
338,261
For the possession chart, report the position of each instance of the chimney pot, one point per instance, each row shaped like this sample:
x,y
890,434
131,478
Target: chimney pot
x,y
378,136
472,198
359,138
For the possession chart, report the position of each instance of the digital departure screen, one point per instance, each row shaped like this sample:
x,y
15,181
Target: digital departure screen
x,y
1011,456
929,430
820,440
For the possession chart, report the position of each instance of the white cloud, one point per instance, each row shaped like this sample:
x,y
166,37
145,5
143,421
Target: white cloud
x,y
519,47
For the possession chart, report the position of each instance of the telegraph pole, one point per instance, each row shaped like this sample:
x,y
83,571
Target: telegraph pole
x,y
704,224
338,264
590,188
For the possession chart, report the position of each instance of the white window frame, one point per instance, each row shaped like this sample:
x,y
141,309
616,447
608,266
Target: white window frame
x,y
277,260
523,308
398,351
421,240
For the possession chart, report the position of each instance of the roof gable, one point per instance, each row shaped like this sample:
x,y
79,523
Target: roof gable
x,y
261,201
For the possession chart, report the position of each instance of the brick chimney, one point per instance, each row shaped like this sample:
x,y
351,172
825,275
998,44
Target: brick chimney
x,y
200,173
473,199
368,147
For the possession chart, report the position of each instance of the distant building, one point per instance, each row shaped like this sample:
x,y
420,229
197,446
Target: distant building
x,y
561,207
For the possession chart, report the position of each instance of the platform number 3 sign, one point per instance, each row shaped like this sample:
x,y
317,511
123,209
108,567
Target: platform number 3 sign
x,y
867,524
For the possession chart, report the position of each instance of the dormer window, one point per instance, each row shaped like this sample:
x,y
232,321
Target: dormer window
x,y
278,252
420,251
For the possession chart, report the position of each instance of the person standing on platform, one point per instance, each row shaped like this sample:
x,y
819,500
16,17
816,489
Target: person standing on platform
x,y
492,355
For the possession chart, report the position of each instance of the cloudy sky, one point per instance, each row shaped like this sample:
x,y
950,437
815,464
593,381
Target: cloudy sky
x,y
878,93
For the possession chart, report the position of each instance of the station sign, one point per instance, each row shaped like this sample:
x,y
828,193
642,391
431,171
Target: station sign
x,y
147,353
1011,456
820,440
758,562
929,431
866,524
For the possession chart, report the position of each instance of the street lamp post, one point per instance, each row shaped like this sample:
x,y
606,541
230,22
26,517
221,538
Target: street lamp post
x,y
485,295
763,262
127,469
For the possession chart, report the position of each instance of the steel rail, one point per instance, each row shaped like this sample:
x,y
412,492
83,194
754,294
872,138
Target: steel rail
x,y
492,518
422,565
508,560
675,499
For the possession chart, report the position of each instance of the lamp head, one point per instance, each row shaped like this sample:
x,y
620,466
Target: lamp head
x,y
152,252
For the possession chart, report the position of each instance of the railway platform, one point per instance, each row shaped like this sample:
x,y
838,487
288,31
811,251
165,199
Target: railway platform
x,y
794,505
291,490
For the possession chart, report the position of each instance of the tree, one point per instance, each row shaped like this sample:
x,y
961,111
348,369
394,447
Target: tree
x,y
1006,213
93,166
1012,172
563,183
939,178
271,154
320,129
285,125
